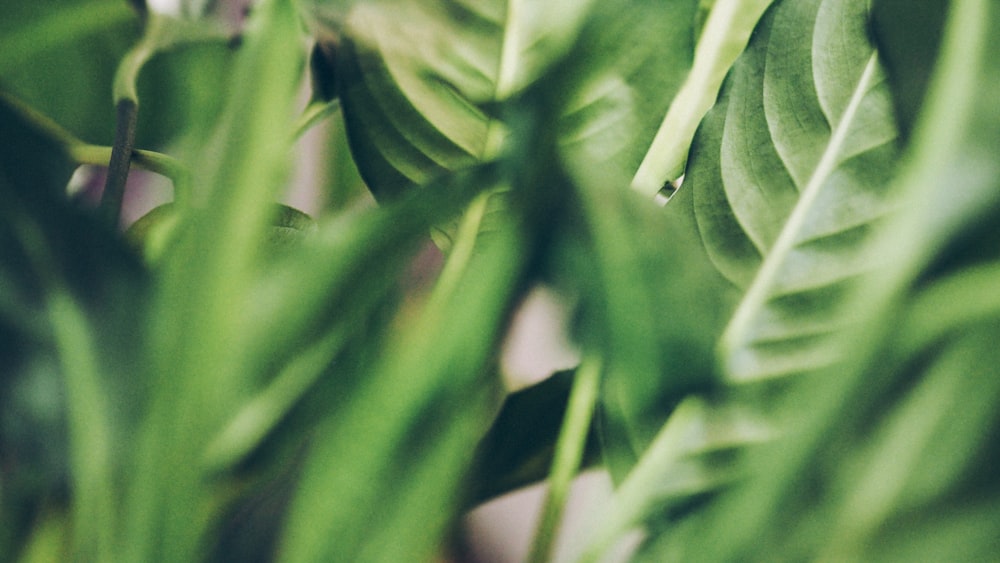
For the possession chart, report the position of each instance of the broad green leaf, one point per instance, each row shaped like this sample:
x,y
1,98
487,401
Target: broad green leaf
x,y
891,455
790,181
791,166
420,82
60,57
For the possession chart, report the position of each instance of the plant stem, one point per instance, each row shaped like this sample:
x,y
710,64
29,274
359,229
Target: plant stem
x,y
121,158
569,453
159,163
80,152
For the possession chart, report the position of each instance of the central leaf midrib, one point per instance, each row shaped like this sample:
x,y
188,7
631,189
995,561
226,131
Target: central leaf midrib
x,y
506,75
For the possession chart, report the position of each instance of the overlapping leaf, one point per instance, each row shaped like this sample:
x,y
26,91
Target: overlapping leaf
x,y
789,174
419,81
893,456
69,308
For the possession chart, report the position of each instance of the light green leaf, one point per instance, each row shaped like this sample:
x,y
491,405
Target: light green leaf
x,y
389,496
194,350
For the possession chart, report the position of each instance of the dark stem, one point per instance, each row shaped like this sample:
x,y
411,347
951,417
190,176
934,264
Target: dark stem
x,y
121,157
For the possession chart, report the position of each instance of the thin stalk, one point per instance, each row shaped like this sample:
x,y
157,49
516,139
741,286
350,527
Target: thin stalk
x,y
568,455
156,162
121,158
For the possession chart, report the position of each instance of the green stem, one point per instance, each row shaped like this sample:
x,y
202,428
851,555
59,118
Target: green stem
x,y
568,455
121,158
126,98
159,163
80,152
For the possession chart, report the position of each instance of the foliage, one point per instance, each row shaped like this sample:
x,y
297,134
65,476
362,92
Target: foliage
x,y
792,359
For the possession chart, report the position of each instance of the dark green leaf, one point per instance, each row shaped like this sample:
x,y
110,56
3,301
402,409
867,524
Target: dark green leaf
x,y
60,58
69,305
517,450
908,42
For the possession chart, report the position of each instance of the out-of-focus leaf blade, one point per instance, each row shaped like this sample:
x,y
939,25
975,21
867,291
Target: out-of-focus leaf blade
x,y
426,427
179,87
637,273
419,81
195,349
611,118
68,303
908,41
60,57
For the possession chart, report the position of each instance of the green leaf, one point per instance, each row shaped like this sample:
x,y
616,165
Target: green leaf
x,y
908,42
69,304
179,87
891,450
60,57
721,39
391,495
194,351
420,81
788,185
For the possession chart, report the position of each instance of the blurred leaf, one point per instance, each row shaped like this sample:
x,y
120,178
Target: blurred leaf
x,y
60,57
638,273
194,350
421,409
179,87
792,181
908,42
419,81
626,86
517,450
69,305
